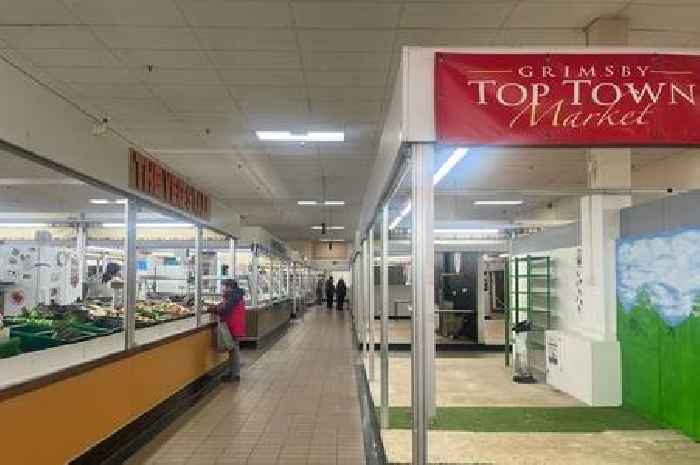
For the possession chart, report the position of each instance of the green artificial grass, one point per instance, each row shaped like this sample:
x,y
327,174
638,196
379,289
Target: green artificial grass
x,y
527,419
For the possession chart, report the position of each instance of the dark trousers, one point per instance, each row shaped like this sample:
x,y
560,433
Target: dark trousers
x,y
329,302
341,302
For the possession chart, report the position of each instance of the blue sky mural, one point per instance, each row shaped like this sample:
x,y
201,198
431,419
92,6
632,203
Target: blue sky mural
x,y
666,267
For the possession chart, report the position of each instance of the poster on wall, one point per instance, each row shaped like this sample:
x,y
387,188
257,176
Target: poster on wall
x,y
567,99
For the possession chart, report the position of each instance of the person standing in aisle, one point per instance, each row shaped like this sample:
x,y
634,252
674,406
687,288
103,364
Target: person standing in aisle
x,y
330,290
232,311
341,290
319,291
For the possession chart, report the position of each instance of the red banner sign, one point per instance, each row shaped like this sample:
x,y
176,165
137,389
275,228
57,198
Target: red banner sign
x,y
149,177
586,99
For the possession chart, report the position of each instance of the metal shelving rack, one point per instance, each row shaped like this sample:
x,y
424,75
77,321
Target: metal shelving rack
x,y
529,290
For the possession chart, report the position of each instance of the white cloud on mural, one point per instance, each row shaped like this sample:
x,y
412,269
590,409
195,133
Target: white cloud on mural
x,y
666,267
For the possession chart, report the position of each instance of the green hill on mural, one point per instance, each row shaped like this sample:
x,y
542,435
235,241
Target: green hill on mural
x,y
660,366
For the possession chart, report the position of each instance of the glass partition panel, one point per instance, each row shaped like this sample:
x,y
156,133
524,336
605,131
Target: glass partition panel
x,y
165,275
52,271
244,270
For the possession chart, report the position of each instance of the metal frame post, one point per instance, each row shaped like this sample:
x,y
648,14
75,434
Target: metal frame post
x,y
81,247
365,302
384,369
130,208
198,274
423,337
253,277
370,292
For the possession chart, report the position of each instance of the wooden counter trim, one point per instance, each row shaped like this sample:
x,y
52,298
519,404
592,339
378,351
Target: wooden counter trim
x,y
74,370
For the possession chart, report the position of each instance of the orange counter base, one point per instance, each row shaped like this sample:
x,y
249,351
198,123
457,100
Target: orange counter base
x,y
54,422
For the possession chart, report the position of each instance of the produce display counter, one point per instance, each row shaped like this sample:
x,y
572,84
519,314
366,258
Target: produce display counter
x,y
155,377
264,319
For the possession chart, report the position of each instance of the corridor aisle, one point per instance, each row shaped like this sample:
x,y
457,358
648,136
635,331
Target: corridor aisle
x,y
296,404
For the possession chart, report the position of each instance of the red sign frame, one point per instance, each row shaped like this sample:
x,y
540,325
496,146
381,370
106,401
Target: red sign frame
x,y
567,99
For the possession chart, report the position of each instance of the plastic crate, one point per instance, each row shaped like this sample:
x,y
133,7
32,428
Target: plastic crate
x,y
10,348
30,342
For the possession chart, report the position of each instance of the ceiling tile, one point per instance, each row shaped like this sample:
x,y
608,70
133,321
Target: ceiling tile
x,y
235,13
71,57
49,37
334,61
179,76
346,14
489,13
346,78
286,105
127,12
184,92
455,38
358,111
661,38
221,106
34,12
246,39
560,15
101,75
347,93
659,17
114,90
262,77
267,93
543,37
346,40
126,37
165,58
259,59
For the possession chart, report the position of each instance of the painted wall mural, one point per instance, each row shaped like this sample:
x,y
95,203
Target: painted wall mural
x,y
658,291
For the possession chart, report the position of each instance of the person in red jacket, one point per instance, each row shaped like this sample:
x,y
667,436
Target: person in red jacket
x,y
232,311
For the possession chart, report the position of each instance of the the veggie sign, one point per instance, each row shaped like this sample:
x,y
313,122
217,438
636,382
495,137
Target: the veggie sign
x,y
587,99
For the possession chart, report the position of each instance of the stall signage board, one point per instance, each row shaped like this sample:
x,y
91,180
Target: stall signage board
x,y
151,178
567,99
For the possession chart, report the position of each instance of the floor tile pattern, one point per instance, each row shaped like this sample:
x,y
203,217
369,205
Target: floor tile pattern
x,y
296,404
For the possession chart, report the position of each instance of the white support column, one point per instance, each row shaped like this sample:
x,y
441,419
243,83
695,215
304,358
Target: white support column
x,y
384,370
81,248
198,274
130,208
423,340
370,293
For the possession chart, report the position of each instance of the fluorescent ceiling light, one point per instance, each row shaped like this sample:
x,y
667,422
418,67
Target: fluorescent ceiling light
x,y
332,228
466,231
149,225
331,240
466,242
498,202
312,136
334,202
455,158
99,201
120,201
307,202
457,155
23,225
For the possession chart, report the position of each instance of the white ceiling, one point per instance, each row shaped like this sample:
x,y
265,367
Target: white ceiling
x,y
235,66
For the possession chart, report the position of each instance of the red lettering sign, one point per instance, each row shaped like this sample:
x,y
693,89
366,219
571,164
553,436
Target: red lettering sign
x,y
586,99
147,176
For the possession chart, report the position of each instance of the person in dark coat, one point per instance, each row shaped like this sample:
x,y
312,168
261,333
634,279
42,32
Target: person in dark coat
x,y
319,291
341,290
330,291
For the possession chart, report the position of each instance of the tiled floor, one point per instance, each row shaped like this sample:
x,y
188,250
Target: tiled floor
x,y
296,404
